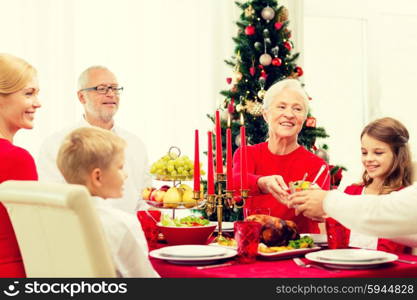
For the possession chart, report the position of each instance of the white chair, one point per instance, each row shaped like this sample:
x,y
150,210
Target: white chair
x,y
58,230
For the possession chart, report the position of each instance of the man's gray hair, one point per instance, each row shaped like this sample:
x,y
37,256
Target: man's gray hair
x,y
277,88
83,79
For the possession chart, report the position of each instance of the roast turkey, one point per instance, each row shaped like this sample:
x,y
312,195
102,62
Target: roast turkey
x,y
275,231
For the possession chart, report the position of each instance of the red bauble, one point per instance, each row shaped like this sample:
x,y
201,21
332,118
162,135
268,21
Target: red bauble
x,y
288,46
276,62
231,106
311,122
252,70
229,80
278,25
250,30
299,71
263,74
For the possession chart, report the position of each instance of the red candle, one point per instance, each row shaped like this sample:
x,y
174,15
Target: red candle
x,y
229,166
219,152
210,167
243,159
196,163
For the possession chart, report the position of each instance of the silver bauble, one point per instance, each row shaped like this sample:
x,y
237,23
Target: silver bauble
x,y
268,13
265,59
237,140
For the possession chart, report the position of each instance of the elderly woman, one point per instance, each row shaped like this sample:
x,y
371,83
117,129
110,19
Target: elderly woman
x,y
18,103
280,160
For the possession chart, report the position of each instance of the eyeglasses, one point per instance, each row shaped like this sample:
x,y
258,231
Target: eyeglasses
x,y
103,89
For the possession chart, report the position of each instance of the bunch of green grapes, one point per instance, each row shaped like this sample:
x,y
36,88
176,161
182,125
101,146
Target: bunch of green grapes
x,y
171,166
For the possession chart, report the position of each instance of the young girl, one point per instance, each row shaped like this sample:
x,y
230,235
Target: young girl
x,y
387,162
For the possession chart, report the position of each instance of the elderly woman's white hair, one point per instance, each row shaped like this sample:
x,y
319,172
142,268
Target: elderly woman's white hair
x,y
291,84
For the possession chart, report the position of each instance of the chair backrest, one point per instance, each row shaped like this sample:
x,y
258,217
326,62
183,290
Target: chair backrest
x,y
58,230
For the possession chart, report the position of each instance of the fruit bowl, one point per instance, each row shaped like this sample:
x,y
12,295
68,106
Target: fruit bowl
x,y
195,235
173,178
176,205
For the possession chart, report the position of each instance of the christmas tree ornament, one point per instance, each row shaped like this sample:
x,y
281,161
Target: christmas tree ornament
x,y
265,33
231,106
237,140
276,62
239,108
268,13
261,93
254,108
287,45
252,71
249,12
229,80
238,76
265,59
264,75
275,51
299,71
267,41
258,46
311,122
278,25
283,15
250,30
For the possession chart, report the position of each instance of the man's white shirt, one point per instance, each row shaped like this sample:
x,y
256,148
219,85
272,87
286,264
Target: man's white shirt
x,y
136,166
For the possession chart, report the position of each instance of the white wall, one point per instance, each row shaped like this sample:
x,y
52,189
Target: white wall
x,y
360,65
167,54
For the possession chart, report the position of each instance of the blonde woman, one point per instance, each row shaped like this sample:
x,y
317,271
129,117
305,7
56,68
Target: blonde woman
x,y
18,103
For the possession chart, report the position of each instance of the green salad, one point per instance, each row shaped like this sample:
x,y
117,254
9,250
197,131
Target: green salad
x,y
304,242
189,221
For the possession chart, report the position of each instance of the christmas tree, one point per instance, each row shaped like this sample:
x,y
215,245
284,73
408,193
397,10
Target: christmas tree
x,y
262,56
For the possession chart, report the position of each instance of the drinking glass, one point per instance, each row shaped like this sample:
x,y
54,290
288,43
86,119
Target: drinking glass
x,y
148,219
337,234
247,234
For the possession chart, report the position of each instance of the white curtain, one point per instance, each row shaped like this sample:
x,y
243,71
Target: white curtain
x,y
167,54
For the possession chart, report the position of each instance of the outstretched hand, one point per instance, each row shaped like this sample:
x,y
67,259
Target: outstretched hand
x,y
309,203
274,185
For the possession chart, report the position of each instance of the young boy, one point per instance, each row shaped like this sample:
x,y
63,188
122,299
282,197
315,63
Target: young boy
x,y
94,157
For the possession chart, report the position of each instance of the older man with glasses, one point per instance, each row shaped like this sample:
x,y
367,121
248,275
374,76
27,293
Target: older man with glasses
x,y
99,93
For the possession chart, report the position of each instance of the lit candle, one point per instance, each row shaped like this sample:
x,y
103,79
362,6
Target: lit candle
x,y
243,156
229,166
219,152
196,163
210,167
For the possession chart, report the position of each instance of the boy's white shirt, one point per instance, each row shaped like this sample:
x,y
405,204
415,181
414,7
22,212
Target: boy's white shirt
x,y
136,166
126,241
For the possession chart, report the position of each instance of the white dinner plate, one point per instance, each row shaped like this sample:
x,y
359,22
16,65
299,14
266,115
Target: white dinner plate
x,y
226,226
287,253
228,253
191,251
351,258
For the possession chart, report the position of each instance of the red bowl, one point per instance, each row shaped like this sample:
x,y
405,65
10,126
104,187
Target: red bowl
x,y
196,235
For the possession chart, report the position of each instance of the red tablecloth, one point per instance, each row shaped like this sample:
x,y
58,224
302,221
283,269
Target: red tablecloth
x,y
285,268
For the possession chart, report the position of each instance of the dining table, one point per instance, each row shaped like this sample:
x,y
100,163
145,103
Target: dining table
x,y
283,268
